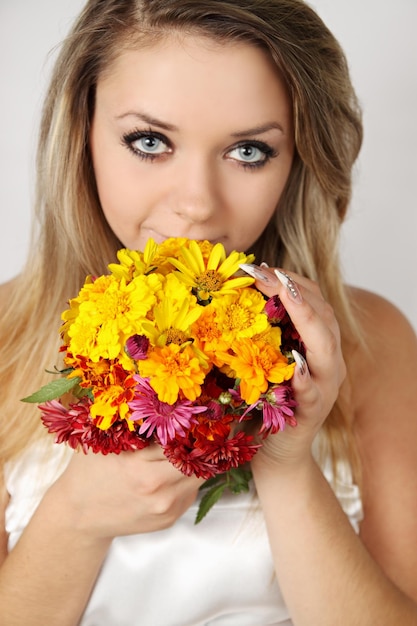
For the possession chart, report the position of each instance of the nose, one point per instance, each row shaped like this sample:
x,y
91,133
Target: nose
x,y
197,190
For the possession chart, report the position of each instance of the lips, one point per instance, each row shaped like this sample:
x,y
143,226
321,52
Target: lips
x,y
160,238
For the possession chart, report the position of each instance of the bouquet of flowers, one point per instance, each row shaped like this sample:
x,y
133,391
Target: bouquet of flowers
x,y
174,347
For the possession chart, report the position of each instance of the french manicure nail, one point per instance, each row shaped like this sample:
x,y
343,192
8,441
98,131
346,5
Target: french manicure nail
x,y
255,272
264,264
291,286
300,362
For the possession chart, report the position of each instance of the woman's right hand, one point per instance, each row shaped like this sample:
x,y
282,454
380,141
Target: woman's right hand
x,y
133,492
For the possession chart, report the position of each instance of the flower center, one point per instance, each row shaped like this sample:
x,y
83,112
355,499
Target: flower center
x,y
238,318
210,280
174,335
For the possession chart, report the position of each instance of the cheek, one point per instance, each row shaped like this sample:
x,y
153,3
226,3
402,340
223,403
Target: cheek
x,y
122,199
115,181
254,209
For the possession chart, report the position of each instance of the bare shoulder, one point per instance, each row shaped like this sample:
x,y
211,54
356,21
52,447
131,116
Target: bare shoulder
x,y
385,406
377,314
391,341
383,371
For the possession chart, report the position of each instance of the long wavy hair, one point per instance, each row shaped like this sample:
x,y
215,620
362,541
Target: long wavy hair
x,y
71,237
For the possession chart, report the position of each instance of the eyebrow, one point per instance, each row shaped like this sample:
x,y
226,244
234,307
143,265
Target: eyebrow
x,y
259,130
148,119
256,130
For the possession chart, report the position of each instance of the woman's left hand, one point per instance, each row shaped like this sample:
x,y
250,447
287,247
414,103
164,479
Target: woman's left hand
x,y
317,381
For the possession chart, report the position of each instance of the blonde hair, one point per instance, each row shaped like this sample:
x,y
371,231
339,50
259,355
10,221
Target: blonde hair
x,y
71,237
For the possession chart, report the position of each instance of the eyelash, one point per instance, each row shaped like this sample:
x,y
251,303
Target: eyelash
x,y
129,138
267,151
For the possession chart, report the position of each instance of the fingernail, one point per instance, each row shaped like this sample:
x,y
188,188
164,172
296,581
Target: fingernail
x,y
301,363
264,264
290,285
255,272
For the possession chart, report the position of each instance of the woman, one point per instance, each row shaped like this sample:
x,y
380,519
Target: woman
x,y
236,122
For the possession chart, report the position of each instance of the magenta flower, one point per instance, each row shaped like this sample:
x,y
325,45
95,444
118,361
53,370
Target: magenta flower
x,y
277,406
275,310
165,419
137,347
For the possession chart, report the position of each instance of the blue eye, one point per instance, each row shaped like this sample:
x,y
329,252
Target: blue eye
x,y
146,144
150,144
252,154
248,154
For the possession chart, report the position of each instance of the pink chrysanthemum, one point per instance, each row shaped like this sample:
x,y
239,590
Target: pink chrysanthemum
x,y
75,426
165,419
277,406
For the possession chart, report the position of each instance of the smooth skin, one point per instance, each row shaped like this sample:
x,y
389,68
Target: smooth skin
x,y
193,139
190,142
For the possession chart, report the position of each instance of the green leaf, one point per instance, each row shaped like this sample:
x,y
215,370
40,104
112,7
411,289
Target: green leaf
x,y
215,480
53,390
239,480
236,480
208,500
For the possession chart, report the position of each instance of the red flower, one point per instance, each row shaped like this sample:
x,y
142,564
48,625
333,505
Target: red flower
x,y
231,452
214,423
189,460
214,457
74,426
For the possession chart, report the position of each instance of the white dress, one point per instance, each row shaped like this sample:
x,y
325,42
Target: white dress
x,y
216,573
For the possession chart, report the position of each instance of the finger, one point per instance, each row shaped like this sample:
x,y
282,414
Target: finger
x,y
298,288
267,281
311,314
154,454
314,397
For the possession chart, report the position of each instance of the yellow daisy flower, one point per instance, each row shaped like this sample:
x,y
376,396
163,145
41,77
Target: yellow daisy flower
x,y
212,276
173,319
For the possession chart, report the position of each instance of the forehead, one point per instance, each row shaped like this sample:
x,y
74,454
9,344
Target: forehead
x,y
184,74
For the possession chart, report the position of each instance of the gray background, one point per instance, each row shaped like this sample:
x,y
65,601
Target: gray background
x,y
379,239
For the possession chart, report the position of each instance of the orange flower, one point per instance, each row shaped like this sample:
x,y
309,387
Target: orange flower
x,y
255,364
175,369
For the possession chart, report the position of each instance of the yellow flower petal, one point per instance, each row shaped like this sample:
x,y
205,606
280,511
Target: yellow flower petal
x,y
150,251
217,256
194,258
